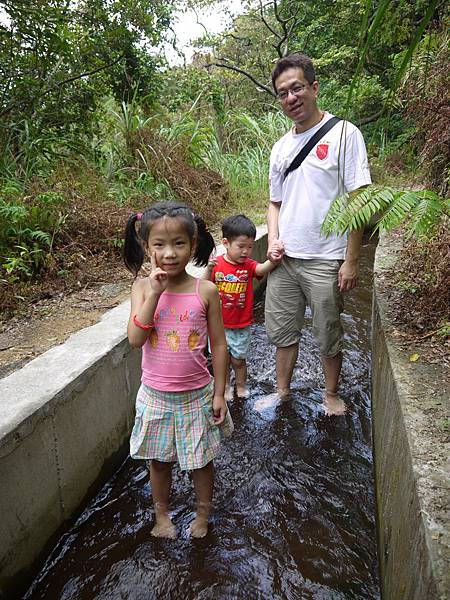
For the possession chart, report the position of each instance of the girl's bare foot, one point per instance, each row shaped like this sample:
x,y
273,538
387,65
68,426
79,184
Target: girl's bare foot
x,y
164,527
199,526
333,404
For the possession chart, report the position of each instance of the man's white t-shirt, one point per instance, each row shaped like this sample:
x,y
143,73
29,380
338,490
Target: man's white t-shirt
x,y
337,164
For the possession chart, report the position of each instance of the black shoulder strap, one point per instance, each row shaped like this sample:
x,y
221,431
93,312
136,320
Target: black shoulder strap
x,y
310,145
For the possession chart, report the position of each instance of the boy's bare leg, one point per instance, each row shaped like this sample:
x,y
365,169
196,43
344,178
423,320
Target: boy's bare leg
x,y
228,389
286,358
161,480
332,369
203,484
240,372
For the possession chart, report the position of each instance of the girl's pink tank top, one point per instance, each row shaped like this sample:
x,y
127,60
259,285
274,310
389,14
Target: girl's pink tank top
x,y
173,358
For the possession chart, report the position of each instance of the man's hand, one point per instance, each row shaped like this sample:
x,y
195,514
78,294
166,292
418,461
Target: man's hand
x,y
348,276
275,251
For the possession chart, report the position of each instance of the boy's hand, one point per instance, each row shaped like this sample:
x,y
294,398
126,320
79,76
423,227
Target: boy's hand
x,y
220,409
275,251
212,261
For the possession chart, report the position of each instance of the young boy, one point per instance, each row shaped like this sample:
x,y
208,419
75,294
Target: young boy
x,y
233,274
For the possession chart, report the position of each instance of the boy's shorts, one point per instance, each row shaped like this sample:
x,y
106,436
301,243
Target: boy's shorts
x,y
238,341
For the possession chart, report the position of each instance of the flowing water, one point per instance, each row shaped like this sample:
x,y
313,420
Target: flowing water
x,y
294,499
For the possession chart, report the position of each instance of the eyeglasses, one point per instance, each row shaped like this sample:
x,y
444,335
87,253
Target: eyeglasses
x,y
296,90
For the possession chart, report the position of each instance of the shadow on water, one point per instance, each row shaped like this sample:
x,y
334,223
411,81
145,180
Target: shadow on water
x,y
294,499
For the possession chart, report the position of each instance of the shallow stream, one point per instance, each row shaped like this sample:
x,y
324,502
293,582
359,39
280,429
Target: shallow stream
x,y
294,499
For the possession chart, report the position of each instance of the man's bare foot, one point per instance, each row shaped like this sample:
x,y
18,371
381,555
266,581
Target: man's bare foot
x,y
242,391
228,393
199,526
164,528
333,405
283,393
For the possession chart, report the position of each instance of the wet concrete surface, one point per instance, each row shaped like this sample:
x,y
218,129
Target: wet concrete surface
x,y
294,498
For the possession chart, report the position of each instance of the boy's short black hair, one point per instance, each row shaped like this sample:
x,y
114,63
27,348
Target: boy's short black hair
x,y
236,225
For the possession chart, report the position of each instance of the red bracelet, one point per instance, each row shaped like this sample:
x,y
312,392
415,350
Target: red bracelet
x,y
141,325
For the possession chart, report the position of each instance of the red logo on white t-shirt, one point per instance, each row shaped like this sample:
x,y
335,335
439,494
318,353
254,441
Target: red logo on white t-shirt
x,y
322,151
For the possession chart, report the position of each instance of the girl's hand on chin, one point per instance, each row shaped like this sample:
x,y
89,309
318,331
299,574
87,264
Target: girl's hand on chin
x,y
158,278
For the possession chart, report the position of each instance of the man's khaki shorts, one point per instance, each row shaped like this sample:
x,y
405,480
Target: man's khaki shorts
x,y
295,283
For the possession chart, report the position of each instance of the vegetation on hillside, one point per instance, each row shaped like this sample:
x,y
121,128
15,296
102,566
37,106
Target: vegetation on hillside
x,y
94,123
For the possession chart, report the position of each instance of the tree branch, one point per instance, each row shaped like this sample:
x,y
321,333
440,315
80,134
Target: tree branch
x,y
198,22
87,73
371,118
261,12
9,108
246,41
287,28
259,85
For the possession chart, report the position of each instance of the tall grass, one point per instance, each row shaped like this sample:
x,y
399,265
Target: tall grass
x,y
240,154
246,163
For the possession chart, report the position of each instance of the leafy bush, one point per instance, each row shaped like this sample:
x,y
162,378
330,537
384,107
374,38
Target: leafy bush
x,y
420,282
27,231
426,94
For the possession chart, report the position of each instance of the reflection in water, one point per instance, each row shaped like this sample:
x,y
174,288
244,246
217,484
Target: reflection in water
x,y
294,499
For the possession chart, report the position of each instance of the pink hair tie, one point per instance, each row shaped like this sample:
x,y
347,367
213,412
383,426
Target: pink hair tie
x,y
138,216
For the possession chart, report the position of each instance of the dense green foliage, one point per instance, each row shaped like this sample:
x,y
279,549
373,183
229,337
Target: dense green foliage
x,y
59,63
58,60
90,113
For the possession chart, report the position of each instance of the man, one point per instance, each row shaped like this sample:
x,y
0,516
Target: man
x,y
313,269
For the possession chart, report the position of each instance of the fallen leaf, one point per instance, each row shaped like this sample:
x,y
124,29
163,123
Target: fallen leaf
x,y
414,357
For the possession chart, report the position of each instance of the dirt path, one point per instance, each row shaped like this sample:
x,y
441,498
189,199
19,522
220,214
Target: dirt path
x,y
51,321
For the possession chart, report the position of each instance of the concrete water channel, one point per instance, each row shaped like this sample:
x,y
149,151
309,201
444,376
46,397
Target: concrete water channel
x,y
294,502
294,508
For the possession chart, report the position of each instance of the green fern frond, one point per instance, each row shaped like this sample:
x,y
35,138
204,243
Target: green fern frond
x,y
41,236
421,211
12,212
427,215
398,211
350,212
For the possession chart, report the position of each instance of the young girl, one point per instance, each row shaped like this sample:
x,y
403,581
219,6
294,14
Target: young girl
x,y
181,415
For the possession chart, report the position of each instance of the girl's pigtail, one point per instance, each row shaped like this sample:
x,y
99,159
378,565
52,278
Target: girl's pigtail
x,y
205,243
133,252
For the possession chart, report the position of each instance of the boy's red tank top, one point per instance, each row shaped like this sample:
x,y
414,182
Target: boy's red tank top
x,y
173,358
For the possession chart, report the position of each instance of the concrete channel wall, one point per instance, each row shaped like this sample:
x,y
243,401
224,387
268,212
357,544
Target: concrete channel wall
x,y
66,416
412,471
62,418
65,419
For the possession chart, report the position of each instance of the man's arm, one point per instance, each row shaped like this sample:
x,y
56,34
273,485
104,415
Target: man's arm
x,y
275,249
348,273
273,214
